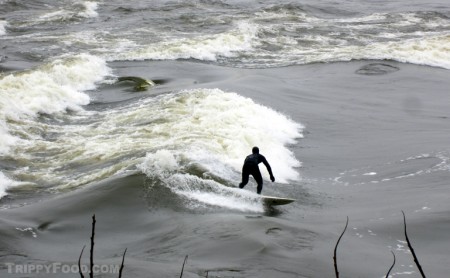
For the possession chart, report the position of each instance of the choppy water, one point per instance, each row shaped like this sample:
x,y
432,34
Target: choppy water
x,y
66,124
45,106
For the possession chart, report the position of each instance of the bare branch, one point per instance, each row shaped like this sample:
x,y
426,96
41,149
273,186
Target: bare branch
x,y
392,266
91,273
79,263
335,250
121,266
182,269
411,248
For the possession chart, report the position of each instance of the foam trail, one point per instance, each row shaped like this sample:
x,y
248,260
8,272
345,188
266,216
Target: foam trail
x,y
201,192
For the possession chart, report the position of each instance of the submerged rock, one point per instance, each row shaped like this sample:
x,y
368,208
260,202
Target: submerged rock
x,y
377,69
141,84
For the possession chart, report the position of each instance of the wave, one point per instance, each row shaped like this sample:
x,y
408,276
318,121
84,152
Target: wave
x,y
199,135
289,37
3,24
432,51
202,156
203,47
280,35
5,183
214,129
79,10
39,14
53,88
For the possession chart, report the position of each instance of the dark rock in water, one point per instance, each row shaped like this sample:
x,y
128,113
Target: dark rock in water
x,y
377,69
141,84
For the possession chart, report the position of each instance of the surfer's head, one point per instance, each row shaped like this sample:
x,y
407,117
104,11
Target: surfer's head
x,y
255,150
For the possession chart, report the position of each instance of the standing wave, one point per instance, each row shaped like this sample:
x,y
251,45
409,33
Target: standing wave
x,y
195,138
289,35
206,134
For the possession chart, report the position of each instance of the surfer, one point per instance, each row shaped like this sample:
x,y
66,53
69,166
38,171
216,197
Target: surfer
x,y
251,168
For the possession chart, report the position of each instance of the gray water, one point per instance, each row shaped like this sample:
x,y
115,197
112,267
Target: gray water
x,y
348,102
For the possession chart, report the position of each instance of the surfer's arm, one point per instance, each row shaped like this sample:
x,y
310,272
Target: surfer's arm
x,y
269,169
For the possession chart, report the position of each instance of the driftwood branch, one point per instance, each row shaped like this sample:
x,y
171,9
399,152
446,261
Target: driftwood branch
x,y
121,266
91,272
335,251
411,248
182,269
79,263
392,266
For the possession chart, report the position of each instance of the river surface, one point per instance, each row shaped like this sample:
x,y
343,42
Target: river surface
x,y
348,101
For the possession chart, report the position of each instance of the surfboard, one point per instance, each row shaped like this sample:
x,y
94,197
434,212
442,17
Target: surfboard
x,y
276,201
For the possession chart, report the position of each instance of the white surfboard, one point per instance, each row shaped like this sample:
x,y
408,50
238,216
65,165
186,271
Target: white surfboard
x,y
276,201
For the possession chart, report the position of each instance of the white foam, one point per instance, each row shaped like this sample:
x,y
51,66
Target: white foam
x,y
28,230
202,47
5,183
89,9
3,24
202,133
372,37
215,131
6,139
210,125
160,162
432,51
52,88
81,9
207,192
286,38
234,202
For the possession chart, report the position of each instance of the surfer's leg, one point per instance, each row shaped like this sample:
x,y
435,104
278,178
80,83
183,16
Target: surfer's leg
x,y
245,175
259,180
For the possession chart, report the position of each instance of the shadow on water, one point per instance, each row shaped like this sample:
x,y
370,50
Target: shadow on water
x,y
271,211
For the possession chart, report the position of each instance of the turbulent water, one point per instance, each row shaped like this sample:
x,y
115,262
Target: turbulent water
x,y
229,75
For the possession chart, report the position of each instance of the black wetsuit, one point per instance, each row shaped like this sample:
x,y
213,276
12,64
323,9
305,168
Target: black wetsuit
x,y
251,168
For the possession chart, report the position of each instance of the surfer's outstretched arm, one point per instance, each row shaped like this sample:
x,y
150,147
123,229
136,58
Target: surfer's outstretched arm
x,y
269,169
